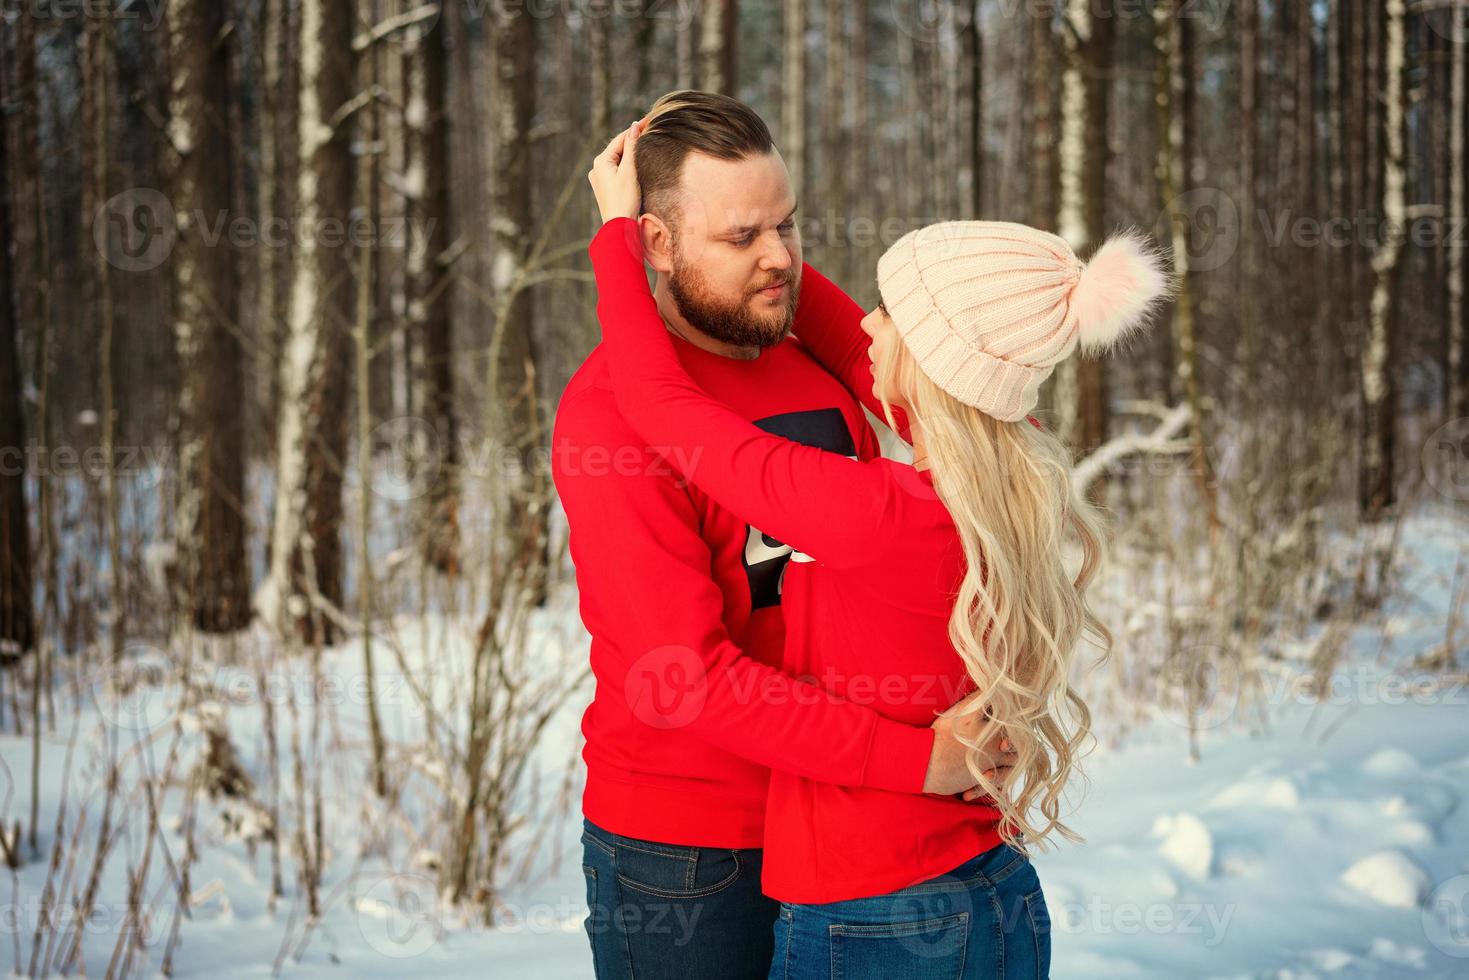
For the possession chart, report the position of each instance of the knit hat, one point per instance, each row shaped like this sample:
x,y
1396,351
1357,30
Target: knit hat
x,y
988,308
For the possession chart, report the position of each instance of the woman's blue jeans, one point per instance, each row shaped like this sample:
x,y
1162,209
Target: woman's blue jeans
x,y
985,920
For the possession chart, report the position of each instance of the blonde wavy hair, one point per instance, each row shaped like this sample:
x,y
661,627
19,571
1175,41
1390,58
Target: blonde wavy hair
x,y
1018,617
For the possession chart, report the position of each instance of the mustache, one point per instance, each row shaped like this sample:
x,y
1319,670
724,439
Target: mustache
x,y
781,280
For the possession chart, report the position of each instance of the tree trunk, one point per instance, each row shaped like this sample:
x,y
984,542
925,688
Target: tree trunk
x,y
1041,96
833,135
98,83
683,44
974,76
1378,361
719,46
306,537
430,282
1174,40
17,619
599,58
277,174
214,574
1081,387
362,337
515,356
858,159
1071,166
793,95
1457,373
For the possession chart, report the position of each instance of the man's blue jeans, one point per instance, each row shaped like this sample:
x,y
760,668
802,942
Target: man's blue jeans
x,y
985,920
668,912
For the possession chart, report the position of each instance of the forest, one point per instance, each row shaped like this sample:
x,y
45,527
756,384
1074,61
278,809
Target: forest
x,y
290,289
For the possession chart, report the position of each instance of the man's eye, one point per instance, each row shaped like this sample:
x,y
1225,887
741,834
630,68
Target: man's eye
x,y
786,227
745,242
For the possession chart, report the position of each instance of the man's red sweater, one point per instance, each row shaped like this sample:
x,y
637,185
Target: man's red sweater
x,y
867,596
683,600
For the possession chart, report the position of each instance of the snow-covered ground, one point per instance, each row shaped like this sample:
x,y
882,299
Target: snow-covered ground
x,y
1328,837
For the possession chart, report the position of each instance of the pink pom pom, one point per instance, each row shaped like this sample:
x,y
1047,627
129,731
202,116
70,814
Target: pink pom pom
x,y
1118,290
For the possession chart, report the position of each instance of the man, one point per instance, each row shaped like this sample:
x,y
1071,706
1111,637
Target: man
x,y
683,599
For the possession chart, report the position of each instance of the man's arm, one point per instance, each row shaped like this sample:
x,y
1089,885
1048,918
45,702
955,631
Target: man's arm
x,y
648,595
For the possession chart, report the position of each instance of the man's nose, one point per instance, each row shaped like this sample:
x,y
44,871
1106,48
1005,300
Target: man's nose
x,y
775,254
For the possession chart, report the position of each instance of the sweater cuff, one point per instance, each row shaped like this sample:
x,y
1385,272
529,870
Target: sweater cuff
x,y
897,757
618,231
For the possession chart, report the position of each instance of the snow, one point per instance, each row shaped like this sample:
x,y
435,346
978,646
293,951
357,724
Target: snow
x,y
1331,840
1187,843
1389,877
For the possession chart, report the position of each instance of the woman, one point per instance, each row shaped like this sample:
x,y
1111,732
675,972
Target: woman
x,y
919,582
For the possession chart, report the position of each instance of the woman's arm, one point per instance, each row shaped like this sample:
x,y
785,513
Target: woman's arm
x,y
829,323
825,505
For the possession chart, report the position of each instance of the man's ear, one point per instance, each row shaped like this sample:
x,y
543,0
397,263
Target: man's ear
x,y
657,242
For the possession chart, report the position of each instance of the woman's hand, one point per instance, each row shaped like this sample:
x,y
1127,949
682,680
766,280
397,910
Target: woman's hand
x,y
997,776
614,176
948,769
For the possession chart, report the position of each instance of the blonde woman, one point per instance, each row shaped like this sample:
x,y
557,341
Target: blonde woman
x,y
914,585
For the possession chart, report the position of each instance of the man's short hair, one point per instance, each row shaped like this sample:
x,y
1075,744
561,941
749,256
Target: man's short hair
x,y
691,121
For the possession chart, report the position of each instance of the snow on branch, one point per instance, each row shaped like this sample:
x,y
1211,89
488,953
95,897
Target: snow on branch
x,y
384,28
1159,441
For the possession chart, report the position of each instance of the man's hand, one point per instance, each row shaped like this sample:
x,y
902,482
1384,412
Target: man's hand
x,y
948,773
614,176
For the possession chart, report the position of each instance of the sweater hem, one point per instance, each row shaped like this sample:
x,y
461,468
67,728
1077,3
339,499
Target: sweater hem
x,y
686,816
825,889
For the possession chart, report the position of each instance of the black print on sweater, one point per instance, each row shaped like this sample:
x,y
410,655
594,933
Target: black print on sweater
x,y
765,558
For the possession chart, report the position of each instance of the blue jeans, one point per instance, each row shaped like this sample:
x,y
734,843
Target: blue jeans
x,y
668,912
985,920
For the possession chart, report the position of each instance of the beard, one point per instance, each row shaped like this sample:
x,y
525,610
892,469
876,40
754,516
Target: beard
x,y
733,321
